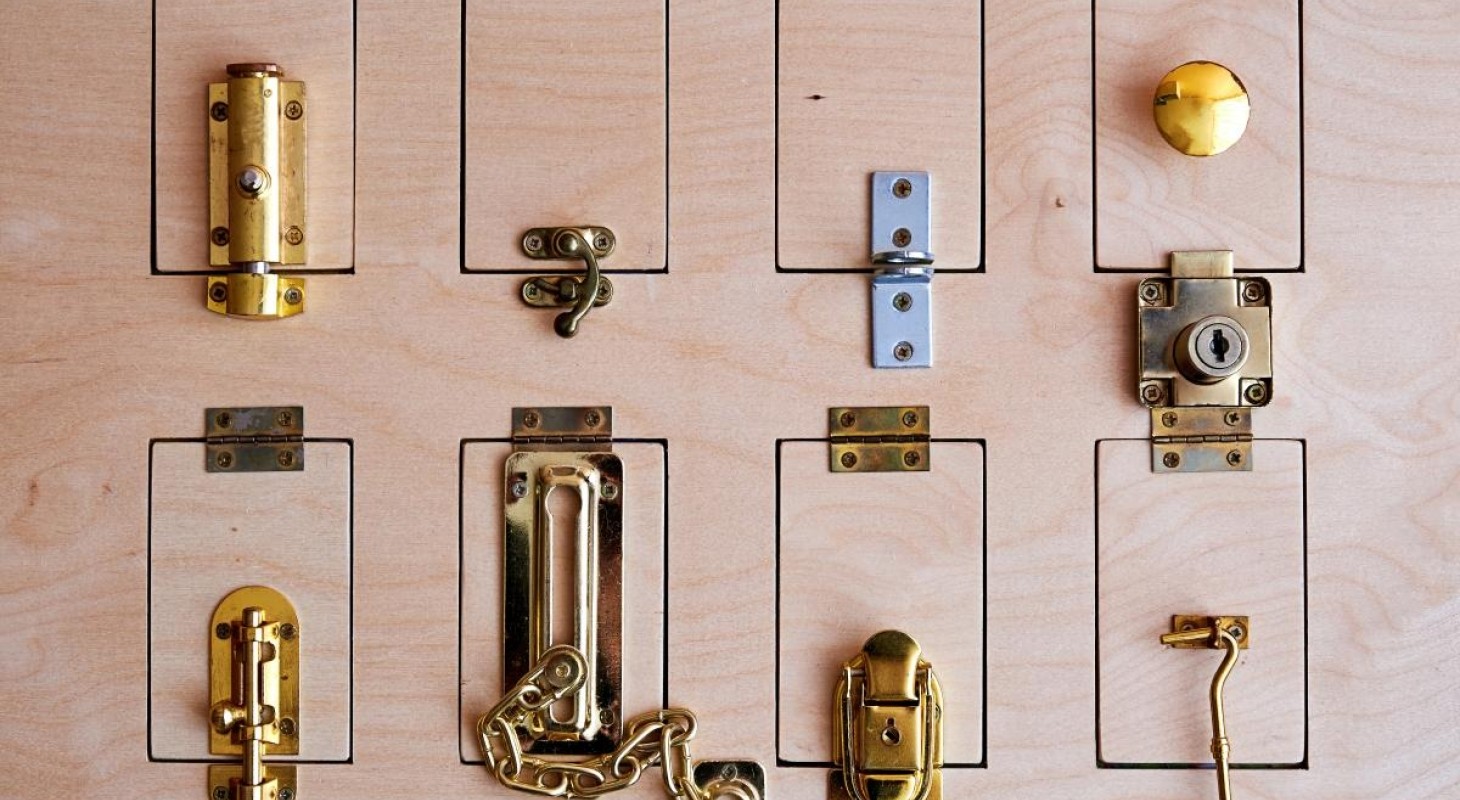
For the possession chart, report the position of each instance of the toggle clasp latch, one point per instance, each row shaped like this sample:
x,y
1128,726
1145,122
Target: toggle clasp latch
x,y
1193,631
888,739
578,294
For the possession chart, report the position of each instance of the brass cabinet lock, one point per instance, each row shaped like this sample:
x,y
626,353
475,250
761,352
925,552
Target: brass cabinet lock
x,y
577,294
256,192
1230,634
887,737
1205,360
253,670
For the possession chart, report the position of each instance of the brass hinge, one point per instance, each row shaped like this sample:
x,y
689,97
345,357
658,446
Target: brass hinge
x,y
1205,358
258,439
256,192
587,428
888,732
253,689
878,438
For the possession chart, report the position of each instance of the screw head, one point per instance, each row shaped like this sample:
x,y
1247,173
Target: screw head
x,y
902,351
251,180
606,716
293,235
902,301
610,491
219,235
218,292
902,237
284,418
849,460
1232,417
1171,460
222,630
518,489
1237,632
911,458
1169,419
592,419
1256,393
224,419
1235,458
293,109
288,631
286,458
293,296
219,111
847,419
224,460
909,418
1252,291
901,188
220,793
530,419
530,290
286,726
1152,393
532,242
1150,292
600,242
286,793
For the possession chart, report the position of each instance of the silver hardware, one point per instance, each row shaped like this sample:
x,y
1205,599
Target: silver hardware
x,y
902,294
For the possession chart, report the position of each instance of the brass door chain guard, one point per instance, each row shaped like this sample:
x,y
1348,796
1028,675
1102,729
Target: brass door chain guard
x,y
657,738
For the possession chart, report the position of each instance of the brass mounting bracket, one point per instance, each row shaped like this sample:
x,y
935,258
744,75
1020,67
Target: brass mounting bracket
x,y
256,192
888,732
1204,361
879,439
578,294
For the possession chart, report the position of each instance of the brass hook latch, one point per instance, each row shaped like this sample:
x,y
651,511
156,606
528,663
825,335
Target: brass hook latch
x,y
578,294
254,693
1191,631
888,739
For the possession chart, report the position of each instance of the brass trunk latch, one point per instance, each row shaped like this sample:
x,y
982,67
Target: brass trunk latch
x,y
256,182
878,438
1205,361
562,645
253,670
887,738
578,294
1193,631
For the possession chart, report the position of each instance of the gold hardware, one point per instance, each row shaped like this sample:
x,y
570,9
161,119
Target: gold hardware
x,y
1205,359
260,439
253,683
578,294
563,680
1193,631
878,438
887,742
1201,108
256,186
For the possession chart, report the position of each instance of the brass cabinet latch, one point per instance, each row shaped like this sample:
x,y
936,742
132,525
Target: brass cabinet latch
x,y
257,439
578,294
1205,360
256,192
1191,631
879,438
887,739
902,291
253,685
562,644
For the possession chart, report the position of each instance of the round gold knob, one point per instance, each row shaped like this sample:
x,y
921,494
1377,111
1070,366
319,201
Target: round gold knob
x,y
1201,108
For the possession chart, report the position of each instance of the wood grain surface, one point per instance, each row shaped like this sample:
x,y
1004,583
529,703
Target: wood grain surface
x,y
407,357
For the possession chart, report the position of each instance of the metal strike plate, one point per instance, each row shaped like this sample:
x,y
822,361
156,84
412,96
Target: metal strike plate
x,y
902,319
560,291
256,122
278,676
721,780
255,295
566,450
879,439
1239,626
546,244
283,778
259,439
888,729
901,230
1201,439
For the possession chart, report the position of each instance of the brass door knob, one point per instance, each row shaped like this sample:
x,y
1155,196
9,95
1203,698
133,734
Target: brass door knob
x,y
1201,108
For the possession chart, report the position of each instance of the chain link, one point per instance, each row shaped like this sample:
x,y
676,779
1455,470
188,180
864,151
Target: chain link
x,y
657,738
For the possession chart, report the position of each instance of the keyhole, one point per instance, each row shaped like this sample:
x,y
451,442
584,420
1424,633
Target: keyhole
x,y
891,736
1219,345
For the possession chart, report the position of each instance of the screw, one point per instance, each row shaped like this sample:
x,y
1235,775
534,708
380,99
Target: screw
x,y
224,460
1255,393
293,296
250,180
1171,460
532,242
606,716
294,109
603,288
909,418
902,301
849,460
219,236
1169,419
729,772
902,187
224,419
911,458
218,292
610,491
600,242
285,419
529,290
1150,292
293,235
1252,291
902,351
902,237
1232,417
530,419
847,419
219,111
286,793
1235,458
592,418
222,630
1151,393
518,489
286,458
220,792
1237,632
286,726
288,631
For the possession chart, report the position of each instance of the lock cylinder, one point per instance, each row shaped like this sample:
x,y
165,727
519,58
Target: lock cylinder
x,y
1211,349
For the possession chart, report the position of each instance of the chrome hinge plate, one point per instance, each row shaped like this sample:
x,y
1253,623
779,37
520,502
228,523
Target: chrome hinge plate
x,y
254,439
902,293
878,438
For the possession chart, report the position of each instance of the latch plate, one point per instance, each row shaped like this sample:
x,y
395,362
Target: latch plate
x,y
902,294
718,779
565,449
280,686
888,740
879,439
254,439
255,295
1239,626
